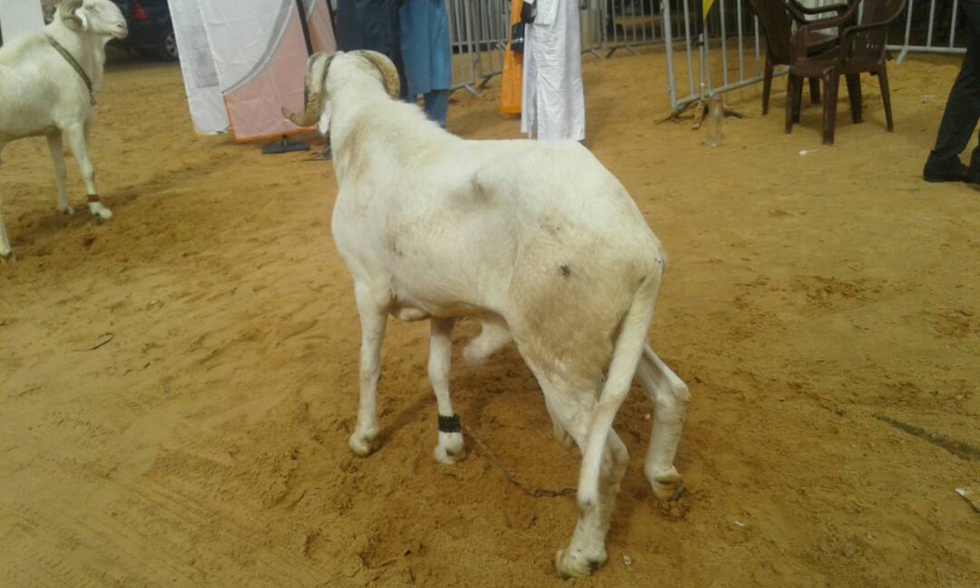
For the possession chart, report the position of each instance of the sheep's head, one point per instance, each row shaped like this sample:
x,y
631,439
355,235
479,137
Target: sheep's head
x,y
97,17
315,110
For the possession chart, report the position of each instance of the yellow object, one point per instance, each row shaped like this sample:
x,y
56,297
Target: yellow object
x,y
512,79
707,8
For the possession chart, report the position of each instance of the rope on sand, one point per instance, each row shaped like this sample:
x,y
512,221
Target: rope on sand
x,y
511,476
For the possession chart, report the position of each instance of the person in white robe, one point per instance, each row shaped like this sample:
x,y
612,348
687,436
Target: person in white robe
x,y
553,101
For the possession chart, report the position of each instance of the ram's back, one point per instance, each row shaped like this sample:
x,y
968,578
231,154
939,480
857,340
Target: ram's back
x,y
454,228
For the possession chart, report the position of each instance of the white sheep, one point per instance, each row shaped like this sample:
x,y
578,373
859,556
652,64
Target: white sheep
x,y
536,240
47,86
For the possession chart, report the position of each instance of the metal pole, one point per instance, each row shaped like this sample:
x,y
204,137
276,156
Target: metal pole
x,y
687,40
724,44
669,48
932,16
306,27
908,33
952,26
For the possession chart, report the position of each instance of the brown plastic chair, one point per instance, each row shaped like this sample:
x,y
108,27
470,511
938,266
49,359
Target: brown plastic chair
x,y
778,18
861,48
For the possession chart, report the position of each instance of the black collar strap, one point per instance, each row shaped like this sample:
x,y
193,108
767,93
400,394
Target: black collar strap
x,y
74,64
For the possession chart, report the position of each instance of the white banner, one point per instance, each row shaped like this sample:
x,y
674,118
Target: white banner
x,y
196,63
18,17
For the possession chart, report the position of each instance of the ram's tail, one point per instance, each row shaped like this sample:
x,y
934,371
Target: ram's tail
x,y
626,356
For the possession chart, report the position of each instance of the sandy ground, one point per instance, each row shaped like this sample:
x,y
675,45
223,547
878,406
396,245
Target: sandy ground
x,y
177,385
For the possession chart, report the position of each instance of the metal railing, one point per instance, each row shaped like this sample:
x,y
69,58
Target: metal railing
x,y
478,33
710,56
932,28
719,54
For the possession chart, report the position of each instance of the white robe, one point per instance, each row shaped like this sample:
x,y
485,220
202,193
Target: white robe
x,y
553,105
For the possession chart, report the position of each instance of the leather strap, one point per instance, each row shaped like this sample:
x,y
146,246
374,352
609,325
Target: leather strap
x,y
450,424
74,64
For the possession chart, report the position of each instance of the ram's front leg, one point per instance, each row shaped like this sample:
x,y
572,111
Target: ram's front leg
x,y
450,449
76,139
372,309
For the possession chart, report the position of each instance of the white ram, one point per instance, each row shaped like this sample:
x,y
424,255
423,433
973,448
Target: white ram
x,y
47,85
536,240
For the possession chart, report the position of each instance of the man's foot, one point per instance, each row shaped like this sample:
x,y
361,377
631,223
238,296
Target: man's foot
x,y
949,170
973,175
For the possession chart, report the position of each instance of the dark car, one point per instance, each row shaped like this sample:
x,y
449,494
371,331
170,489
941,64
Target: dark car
x,y
151,31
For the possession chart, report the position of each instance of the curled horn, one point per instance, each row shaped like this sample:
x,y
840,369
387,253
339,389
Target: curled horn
x,y
387,69
67,13
316,74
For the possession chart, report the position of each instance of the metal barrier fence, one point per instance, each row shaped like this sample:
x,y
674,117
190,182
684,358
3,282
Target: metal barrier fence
x,y
704,57
938,33
478,33
721,53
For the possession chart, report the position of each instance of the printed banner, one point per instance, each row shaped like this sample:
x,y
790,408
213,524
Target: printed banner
x,y
260,59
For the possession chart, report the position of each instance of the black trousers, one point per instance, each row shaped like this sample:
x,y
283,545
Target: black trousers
x,y
963,106
374,25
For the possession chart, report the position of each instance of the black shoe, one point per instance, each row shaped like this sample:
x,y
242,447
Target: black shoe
x,y
973,175
949,170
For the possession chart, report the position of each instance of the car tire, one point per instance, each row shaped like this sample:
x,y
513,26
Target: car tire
x,y
167,50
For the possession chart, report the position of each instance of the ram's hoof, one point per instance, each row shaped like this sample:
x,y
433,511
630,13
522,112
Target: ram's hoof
x,y
450,450
666,486
360,445
569,566
101,213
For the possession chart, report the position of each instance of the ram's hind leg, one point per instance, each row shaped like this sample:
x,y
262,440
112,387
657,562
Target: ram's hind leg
x,y
372,308
558,427
571,405
670,396
58,158
450,448
586,552
4,239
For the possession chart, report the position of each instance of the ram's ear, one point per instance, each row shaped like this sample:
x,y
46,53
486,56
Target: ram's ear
x,y
323,125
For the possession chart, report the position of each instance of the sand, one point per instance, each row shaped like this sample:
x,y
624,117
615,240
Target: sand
x,y
177,385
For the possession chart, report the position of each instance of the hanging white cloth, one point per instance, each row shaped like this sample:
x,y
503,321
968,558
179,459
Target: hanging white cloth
x,y
554,101
18,17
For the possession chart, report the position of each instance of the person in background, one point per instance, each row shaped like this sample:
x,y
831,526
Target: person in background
x,y
961,115
427,55
371,25
554,101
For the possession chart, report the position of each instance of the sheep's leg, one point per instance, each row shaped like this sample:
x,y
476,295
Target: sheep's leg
x,y
450,449
494,335
670,396
76,139
4,240
374,317
586,552
561,435
571,406
58,157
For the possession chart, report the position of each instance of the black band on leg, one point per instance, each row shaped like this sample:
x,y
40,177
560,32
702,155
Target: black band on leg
x,y
449,424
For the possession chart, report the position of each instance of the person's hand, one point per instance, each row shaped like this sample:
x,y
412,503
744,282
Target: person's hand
x,y
529,10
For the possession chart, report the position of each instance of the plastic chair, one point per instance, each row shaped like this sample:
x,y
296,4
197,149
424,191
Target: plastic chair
x,y
861,48
778,19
